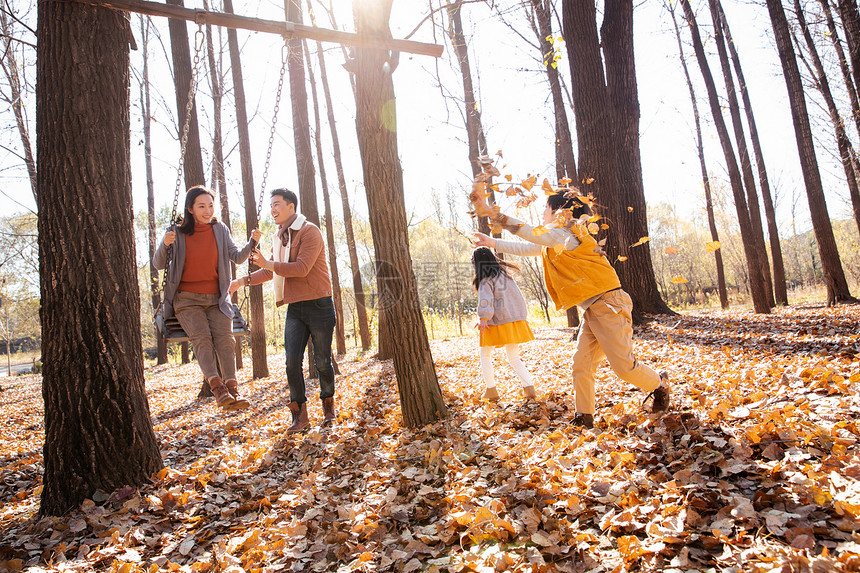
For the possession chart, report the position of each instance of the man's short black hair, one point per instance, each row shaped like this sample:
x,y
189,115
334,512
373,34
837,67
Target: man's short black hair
x,y
287,196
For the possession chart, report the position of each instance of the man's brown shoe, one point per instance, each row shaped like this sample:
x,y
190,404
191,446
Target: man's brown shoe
x,y
329,415
300,417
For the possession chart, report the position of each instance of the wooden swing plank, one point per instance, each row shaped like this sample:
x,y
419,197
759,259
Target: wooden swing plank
x,y
269,26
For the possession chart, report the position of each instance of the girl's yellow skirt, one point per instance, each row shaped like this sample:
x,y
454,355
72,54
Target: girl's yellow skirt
x,y
509,333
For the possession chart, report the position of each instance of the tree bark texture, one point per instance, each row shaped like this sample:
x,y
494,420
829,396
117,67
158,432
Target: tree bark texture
x,y
340,335
850,17
843,143
474,129
757,285
259,365
834,277
420,395
98,432
762,262
357,285
146,111
565,161
301,123
706,180
182,70
852,95
627,203
779,286
607,119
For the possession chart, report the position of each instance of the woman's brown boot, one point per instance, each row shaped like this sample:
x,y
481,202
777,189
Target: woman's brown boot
x,y
233,388
300,417
222,395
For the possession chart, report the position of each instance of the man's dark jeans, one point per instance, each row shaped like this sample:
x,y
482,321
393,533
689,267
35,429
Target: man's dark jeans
x,y
315,319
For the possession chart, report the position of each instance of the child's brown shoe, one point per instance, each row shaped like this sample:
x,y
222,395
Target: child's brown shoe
x,y
529,393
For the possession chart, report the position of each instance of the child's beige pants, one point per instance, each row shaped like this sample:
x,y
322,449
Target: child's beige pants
x,y
607,330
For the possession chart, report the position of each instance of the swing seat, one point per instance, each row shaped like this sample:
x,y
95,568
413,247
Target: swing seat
x,y
171,330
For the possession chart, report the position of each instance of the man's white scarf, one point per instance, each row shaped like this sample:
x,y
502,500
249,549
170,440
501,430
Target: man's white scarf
x,y
281,254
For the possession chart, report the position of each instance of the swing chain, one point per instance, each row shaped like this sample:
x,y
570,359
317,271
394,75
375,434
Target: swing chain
x,y
284,59
199,40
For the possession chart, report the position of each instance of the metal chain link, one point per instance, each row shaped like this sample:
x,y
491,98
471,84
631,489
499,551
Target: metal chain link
x,y
284,58
199,40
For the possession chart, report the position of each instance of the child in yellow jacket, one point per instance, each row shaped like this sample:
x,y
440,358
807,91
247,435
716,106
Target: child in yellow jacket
x,y
577,274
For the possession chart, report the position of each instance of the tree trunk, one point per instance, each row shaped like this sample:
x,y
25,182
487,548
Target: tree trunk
x,y
851,24
181,53
474,129
301,123
852,95
219,181
10,69
259,366
302,137
706,181
762,262
146,112
98,432
837,286
340,335
193,159
565,162
420,395
607,120
357,285
843,143
779,286
757,285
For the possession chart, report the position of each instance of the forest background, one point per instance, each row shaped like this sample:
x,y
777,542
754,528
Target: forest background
x,y
513,100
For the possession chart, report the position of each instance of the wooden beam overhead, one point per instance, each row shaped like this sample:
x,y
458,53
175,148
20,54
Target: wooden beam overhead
x,y
287,29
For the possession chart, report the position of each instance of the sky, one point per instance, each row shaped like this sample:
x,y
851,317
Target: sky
x,y
514,101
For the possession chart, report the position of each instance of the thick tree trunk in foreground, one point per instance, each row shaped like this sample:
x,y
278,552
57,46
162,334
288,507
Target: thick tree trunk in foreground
x,y
259,365
420,396
757,285
834,277
706,181
98,433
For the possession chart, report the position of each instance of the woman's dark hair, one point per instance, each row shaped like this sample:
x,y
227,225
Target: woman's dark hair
x,y
187,225
570,200
488,265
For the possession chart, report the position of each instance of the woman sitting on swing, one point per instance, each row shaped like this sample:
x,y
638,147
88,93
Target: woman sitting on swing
x,y
196,291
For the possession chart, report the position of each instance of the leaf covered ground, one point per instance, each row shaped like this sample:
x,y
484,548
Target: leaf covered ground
x,y
755,469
